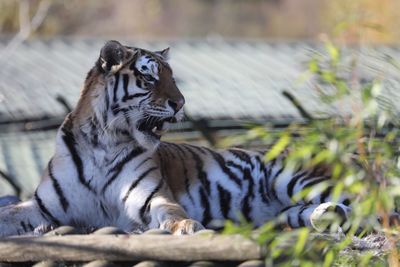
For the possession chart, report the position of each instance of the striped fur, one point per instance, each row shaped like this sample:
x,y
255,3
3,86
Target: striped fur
x,y
110,167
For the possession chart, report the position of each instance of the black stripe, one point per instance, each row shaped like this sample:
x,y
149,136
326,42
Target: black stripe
x,y
163,148
270,167
115,109
315,181
30,226
144,99
286,209
224,201
265,184
200,149
206,206
61,197
340,211
137,181
181,154
306,178
315,172
130,97
292,183
143,162
139,83
234,165
199,168
146,205
300,219
69,141
278,173
107,104
221,162
163,163
346,202
260,162
134,153
326,194
170,151
289,221
116,170
262,192
179,148
274,181
187,185
125,83
246,206
288,218
115,97
45,211
94,131
104,210
271,194
23,225
242,156
122,132
126,115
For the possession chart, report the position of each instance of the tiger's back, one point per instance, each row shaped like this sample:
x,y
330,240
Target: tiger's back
x,y
214,186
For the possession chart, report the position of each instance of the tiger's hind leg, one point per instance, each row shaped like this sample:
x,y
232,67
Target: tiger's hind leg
x,y
21,218
317,216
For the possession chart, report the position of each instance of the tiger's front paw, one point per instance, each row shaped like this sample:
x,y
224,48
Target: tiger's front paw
x,y
183,227
186,226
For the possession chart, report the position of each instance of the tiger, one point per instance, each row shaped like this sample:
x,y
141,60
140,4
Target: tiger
x,y
110,167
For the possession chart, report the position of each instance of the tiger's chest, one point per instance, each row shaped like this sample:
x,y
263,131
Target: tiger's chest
x,y
116,191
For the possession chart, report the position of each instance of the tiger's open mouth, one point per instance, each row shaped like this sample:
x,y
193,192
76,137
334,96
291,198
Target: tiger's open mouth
x,y
155,126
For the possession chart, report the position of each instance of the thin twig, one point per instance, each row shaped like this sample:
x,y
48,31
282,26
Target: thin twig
x,y
298,106
27,27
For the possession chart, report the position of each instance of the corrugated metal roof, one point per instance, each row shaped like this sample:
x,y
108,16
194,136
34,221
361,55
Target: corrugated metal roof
x,y
218,79
24,157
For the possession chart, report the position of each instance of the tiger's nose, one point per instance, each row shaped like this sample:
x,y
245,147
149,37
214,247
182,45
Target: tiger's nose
x,y
176,105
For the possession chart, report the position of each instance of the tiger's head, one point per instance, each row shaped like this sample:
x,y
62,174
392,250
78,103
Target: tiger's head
x,y
132,92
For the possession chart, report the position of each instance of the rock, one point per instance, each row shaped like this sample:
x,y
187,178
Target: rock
x,y
110,230
157,232
253,263
46,264
204,264
63,230
205,232
100,263
150,264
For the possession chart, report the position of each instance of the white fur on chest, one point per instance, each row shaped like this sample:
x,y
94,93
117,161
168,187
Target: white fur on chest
x,y
99,207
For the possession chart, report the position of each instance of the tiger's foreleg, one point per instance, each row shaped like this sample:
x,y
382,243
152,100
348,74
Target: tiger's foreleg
x,y
21,218
170,216
317,216
163,212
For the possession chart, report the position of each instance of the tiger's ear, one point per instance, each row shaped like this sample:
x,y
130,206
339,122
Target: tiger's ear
x,y
113,55
164,53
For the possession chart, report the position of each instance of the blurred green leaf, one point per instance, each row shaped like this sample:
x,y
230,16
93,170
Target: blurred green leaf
x,y
333,52
278,147
329,257
301,241
313,66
